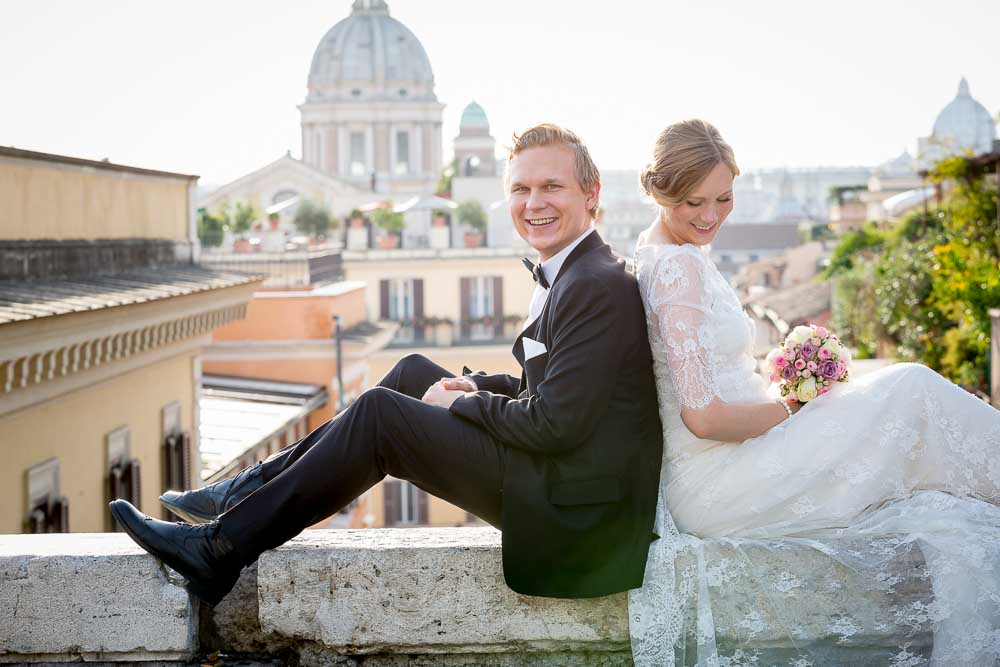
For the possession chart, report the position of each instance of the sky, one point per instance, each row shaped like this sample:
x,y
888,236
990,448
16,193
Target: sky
x,y
212,88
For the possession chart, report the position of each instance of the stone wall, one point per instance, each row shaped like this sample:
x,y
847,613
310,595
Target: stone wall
x,y
378,598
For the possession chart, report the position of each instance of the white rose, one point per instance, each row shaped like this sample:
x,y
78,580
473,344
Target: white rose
x,y
807,390
833,347
800,334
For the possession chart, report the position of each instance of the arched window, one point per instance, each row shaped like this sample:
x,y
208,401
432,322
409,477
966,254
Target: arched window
x,y
283,195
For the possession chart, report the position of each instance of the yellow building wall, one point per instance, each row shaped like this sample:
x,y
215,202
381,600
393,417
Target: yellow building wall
x,y
73,428
62,202
271,316
442,297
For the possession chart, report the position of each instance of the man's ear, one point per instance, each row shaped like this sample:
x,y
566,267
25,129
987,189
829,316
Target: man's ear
x,y
594,196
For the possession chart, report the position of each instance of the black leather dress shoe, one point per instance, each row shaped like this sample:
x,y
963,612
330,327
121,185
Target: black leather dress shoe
x,y
201,554
207,503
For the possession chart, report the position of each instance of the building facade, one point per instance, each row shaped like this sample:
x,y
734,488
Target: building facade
x,y
103,316
371,117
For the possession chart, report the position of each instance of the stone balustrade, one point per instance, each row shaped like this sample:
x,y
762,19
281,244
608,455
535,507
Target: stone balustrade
x,y
378,598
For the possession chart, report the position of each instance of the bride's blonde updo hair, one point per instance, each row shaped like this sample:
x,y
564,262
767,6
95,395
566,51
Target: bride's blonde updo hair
x,y
684,154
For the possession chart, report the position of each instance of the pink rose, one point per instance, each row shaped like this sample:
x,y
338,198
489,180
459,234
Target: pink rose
x,y
800,364
824,354
822,332
780,361
841,368
806,373
812,365
774,377
789,353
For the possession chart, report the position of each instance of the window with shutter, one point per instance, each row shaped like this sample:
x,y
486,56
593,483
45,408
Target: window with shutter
x,y
383,288
465,290
418,309
390,501
422,516
498,312
124,473
483,310
47,511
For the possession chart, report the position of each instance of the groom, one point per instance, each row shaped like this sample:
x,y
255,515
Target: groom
x,y
565,460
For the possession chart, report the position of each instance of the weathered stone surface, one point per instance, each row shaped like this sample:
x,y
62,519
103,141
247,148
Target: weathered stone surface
x,y
233,626
89,597
420,597
437,590
441,591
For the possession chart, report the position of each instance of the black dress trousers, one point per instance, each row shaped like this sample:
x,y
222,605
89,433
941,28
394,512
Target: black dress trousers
x,y
388,430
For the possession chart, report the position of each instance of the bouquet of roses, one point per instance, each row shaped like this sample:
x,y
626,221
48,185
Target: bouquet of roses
x,y
807,363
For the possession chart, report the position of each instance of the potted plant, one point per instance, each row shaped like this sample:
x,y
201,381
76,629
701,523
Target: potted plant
x,y
391,223
439,218
357,218
473,217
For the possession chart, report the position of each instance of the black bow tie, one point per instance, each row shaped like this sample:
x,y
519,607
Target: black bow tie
x,y
536,272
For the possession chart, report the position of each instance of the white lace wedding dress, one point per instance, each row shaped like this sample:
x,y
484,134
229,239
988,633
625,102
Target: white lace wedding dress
x,y
890,478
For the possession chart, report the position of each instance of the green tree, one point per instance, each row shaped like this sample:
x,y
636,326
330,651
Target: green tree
x,y
210,229
471,214
853,304
237,217
935,276
855,245
313,219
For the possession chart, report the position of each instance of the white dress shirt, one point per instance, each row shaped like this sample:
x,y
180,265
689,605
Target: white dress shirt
x,y
550,269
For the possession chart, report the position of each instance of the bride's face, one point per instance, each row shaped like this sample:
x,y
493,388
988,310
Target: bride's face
x,y
698,218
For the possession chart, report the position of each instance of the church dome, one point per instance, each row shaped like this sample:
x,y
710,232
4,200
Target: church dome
x,y
965,123
474,117
370,55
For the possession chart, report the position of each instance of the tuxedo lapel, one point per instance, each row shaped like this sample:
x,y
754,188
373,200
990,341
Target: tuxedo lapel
x,y
534,330
592,241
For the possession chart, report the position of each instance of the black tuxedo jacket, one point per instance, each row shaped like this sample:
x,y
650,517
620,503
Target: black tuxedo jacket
x,y
583,430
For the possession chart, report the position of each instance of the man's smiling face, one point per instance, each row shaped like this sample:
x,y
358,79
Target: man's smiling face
x,y
548,206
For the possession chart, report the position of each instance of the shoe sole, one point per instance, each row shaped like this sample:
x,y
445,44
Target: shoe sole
x,y
206,594
187,515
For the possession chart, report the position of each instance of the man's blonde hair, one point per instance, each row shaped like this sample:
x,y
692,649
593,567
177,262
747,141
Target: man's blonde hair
x,y
549,134
684,154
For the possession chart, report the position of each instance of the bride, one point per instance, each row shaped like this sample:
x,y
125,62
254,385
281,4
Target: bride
x,y
898,464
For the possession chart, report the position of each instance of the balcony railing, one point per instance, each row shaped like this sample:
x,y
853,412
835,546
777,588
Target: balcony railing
x,y
445,333
284,269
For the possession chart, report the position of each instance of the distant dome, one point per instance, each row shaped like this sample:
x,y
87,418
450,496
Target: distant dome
x,y
370,55
965,123
474,116
900,166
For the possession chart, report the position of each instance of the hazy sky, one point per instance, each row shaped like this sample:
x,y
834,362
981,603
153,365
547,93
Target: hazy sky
x,y
211,88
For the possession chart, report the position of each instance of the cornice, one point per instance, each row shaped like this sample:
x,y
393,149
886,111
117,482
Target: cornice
x,y
109,342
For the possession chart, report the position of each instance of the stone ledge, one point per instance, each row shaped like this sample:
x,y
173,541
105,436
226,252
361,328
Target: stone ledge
x,y
437,590
89,597
387,598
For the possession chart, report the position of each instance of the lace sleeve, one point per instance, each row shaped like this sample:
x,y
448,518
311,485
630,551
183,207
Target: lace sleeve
x,y
678,302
